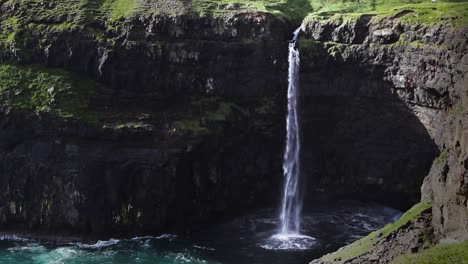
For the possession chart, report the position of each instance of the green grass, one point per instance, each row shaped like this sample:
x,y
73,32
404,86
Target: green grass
x,y
79,12
446,254
310,48
362,245
294,10
28,19
39,89
423,11
442,158
457,109
119,9
8,30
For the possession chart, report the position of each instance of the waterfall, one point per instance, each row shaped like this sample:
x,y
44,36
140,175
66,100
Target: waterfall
x,y
289,236
291,202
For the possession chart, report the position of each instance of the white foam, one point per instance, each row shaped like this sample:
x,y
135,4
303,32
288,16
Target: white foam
x,y
30,247
99,244
184,258
204,248
291,242
58,256
291,236
13,238
163,236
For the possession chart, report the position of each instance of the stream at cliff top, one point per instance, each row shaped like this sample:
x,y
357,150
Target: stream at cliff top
x,y
245,240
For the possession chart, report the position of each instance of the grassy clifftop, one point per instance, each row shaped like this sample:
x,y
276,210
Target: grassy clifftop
x,y
70,14
26,25
85,10
413,11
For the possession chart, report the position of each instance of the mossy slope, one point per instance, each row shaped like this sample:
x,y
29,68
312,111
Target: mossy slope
x,y
362,245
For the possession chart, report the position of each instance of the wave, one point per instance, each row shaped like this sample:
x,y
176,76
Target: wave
x,y
99,244
14,238
163,236
204,248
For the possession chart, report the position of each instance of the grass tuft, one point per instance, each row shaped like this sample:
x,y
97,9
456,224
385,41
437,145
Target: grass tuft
x,y
119,9
442,158
457,109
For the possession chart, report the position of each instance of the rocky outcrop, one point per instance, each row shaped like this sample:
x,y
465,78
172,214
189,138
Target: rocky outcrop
x,y
412,237
424,68
163,55
448,179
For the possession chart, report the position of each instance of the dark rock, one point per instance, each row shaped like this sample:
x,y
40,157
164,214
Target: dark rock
x,y
424,67
91,181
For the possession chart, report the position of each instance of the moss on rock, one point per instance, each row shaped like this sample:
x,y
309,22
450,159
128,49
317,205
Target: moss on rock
x,y
442,158
205,114
40,89
364,244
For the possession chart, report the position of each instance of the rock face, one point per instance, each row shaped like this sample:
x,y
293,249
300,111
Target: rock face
x,y
190,128
68,176
424,69
411,238
449,179
369,142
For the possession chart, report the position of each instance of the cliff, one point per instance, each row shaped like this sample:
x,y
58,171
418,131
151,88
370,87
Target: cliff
x,y
154,116
137,123
424,65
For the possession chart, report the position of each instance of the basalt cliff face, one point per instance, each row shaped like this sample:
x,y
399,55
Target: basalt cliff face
x,y
185,124
185,120
421,71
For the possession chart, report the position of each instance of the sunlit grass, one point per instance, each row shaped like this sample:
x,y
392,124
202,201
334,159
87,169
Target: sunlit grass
x,y
417,11
119,9
449,254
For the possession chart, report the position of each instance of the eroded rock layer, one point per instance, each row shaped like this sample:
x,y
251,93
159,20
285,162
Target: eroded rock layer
x,y
424,68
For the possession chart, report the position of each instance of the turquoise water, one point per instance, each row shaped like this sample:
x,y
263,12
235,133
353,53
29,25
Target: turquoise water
x,y
139,250
251,239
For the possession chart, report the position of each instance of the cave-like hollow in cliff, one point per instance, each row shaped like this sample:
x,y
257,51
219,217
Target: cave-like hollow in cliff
x,y
360,139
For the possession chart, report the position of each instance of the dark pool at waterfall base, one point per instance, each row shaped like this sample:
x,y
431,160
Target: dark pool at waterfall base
x,y
245,240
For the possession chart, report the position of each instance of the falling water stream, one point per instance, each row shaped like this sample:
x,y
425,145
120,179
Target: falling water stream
x,y
290,236
291,204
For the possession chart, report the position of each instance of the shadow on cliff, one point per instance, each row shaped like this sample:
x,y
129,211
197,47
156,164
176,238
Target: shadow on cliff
x,y
360,140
